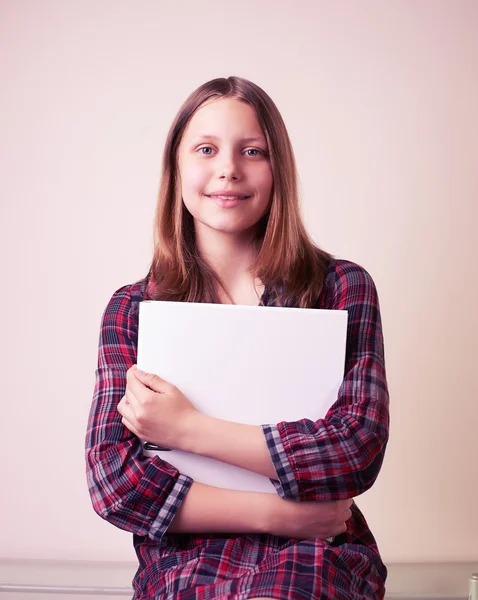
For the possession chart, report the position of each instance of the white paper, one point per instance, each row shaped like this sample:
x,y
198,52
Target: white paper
x,y
248,364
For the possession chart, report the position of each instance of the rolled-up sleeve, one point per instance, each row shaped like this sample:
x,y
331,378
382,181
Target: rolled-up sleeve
x,y
340,456
133,492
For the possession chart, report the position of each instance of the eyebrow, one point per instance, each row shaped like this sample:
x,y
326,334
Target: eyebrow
x,y
247,140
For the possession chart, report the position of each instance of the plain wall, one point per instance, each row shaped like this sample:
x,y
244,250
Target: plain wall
x,y
380,101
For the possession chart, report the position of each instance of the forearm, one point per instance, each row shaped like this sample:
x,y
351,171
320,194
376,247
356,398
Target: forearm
x,y
207,509
234,443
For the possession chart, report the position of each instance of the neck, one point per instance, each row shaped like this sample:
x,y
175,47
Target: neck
x,y
226,253
230,256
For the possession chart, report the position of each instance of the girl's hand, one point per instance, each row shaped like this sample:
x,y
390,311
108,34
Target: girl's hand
x,y
154,410
308,519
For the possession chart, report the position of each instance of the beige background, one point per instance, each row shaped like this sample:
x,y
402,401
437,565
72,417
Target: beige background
x,y
380,101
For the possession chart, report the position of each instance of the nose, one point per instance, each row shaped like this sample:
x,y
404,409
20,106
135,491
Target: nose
x,y
229,169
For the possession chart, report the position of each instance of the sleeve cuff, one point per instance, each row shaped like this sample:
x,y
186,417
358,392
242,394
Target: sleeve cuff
x,y
169,507
287,486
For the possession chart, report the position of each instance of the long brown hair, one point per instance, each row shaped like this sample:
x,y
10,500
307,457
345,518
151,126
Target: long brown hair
x,y
287,259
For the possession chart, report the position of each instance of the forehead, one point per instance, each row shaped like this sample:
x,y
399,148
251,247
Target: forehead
x,y
223,118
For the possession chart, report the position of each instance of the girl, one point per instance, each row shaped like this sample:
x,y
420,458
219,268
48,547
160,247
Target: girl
x,y
228,229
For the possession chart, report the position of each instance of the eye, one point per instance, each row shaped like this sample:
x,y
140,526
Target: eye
x,y
256,151
200,150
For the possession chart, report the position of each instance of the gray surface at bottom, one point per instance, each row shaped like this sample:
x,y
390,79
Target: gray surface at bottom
x,y
43,592
68,590
31,579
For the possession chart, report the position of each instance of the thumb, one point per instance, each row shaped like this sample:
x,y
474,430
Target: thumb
x,y
154,382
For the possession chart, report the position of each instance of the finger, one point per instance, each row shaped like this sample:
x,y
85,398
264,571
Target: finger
x,y
136,406
136,392
342,504
342,528
126,411
128,398
129,409
137,395
127,417
343,510
346,512
131,399
153,382
130,426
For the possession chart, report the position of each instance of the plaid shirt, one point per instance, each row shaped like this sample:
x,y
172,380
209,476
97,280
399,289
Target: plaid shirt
x,y
333,458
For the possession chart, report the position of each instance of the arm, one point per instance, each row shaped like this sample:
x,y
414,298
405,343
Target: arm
x,y
134,493
333,458
340,456
148,496
234,443
210,509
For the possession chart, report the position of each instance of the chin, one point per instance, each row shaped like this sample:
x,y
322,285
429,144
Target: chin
x,y
226,227
230,229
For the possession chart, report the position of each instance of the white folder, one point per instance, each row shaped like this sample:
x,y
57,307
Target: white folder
x,y
248,364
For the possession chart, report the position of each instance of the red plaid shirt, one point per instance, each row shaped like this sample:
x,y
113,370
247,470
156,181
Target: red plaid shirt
x,y
333,458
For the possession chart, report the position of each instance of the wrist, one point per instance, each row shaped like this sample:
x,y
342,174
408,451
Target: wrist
x,y
191,427
272,514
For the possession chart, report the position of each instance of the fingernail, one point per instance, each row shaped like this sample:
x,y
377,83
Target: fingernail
x,y
139,372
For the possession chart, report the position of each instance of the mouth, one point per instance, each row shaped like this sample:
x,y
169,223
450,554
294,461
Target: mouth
x,y
228,196
228,201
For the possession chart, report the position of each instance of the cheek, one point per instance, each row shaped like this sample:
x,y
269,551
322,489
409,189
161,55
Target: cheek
x,y
264,181
193,179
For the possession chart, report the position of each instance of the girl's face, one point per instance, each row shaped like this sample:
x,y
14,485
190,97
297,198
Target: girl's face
x,y
226,177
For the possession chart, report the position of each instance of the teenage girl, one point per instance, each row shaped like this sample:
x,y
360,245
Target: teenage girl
x,y
228,229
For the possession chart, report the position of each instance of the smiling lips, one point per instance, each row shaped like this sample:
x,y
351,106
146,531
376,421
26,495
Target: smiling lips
x,y
228,194
227,199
